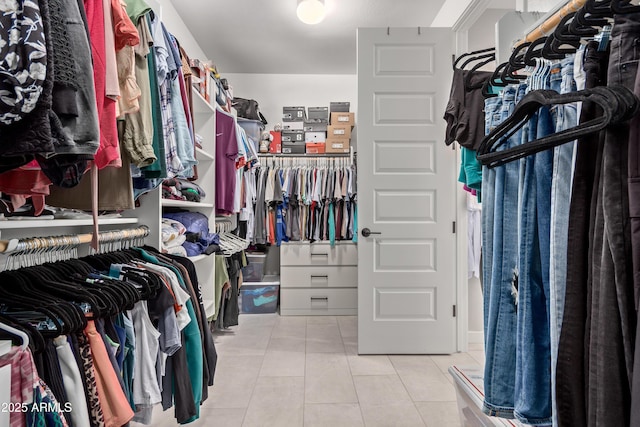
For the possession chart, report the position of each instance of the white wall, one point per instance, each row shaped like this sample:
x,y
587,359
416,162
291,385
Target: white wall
x,y
176,26
274,91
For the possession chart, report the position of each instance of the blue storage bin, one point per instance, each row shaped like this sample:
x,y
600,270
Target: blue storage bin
x,y
259,297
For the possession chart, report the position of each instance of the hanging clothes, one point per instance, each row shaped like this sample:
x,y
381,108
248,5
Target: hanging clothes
x,y
294,203
147,343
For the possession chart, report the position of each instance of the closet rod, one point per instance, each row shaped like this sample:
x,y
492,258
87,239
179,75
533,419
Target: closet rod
x,y
552,22
7,246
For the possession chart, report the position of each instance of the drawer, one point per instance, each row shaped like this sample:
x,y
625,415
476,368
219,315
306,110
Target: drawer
x,y
318,301
319,277
320,253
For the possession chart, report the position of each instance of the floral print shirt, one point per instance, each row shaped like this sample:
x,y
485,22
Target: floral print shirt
x,y
23,58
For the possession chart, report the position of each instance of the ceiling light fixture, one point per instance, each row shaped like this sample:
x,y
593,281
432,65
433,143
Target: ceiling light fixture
x,y
311,11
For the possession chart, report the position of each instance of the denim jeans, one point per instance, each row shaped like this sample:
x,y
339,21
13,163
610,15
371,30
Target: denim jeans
x,y
500,271
562,176
492,113
533,376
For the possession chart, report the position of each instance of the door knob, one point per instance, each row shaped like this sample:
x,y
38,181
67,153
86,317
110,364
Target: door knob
x,y
366,232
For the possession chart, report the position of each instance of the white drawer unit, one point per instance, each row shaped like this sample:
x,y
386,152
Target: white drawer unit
x,y
328,302
319,277
320,253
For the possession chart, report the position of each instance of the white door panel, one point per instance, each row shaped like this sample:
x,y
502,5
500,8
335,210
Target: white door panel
x,y
406,192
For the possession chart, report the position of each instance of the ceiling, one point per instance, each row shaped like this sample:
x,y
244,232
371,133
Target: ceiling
x,y
265,36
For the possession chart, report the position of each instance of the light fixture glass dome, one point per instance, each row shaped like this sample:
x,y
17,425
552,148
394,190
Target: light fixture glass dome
x,y
310,11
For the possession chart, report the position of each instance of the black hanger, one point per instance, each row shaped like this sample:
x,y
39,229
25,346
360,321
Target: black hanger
x,y
585,26
617,102
493,81
624,6
516,59
36,341
490,56
599,7
469,76
552,48
475,52
534,50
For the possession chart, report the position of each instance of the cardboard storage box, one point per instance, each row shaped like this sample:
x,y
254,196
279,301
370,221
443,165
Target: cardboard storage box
x,y
313,126
293,147
292,136
293,114
339,107
315,147
318,113
315,136
259,297
339,131
276,143
337,145
293,126
341,119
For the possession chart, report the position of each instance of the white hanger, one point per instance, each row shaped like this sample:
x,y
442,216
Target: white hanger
x,y
17,332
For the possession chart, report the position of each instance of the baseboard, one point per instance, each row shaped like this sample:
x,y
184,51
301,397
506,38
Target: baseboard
x,y
475,337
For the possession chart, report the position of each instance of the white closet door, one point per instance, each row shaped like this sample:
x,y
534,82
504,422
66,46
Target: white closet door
x,y
406,193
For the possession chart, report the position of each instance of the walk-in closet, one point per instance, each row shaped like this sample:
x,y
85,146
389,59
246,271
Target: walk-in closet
x,y
319,213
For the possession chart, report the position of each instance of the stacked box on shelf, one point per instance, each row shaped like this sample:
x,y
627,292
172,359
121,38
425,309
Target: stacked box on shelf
x,y
316,129
339,130
293,141
276,142
294,114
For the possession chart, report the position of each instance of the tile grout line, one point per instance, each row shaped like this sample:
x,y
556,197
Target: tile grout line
x,y
351,372
304,381
246,410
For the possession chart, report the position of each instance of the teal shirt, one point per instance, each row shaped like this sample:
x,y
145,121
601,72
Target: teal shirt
x,y
193,342
470,170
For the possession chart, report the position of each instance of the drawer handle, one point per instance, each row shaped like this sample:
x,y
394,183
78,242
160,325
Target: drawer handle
x,y
319,303
324,254
318,277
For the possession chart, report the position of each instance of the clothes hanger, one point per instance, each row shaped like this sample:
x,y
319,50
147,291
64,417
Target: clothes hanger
x,y
468,78
490,56
36,341
475,52
617,102
25,296
624,6
17,332
534,50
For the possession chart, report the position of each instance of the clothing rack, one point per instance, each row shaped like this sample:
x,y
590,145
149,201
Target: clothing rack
x,y
311,161
36,250
552,21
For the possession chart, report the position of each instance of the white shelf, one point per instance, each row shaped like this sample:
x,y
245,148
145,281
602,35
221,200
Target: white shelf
x,y
200,105
44,223
185,204
204,156
197,258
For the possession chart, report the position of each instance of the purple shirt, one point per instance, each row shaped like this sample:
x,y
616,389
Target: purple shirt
x,y
226,154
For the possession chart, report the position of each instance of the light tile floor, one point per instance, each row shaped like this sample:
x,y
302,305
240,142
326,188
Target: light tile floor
x,y
305,371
